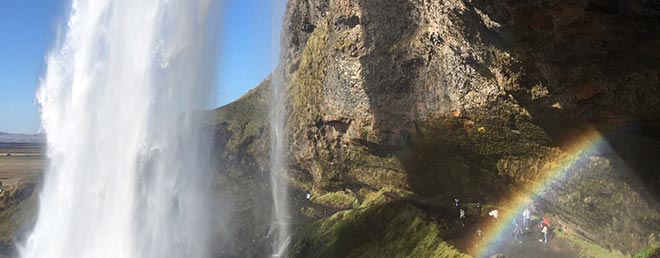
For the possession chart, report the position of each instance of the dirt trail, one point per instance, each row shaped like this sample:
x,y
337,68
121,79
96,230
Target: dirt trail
x,y
464,237
528,244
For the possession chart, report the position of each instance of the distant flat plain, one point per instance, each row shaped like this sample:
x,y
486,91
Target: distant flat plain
x,y
19,161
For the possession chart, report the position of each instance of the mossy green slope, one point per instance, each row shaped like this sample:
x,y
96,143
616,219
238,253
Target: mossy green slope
x,y
651,252
391,229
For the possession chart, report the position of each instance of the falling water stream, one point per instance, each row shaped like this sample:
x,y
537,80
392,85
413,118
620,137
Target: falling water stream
x,y
280,230
280,233
129,158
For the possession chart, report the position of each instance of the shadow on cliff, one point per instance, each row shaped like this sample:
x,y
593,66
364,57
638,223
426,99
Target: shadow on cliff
x,y
596,62
388,75
435,156
612,86
575,69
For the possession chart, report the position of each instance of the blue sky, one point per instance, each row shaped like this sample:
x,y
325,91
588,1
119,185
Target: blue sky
x,y
248,46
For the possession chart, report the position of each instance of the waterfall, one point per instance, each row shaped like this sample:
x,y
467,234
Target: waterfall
x,y
129,171
280,228
280,232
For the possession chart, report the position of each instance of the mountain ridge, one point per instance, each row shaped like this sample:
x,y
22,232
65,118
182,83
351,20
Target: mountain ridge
x,y
22,138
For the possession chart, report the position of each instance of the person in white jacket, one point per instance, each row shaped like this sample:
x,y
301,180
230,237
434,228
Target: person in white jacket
x,y
493,213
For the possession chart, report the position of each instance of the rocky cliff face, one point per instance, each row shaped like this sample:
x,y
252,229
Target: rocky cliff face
x,y
472,97
398,106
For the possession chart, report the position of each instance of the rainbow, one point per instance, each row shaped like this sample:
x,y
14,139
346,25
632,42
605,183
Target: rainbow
x,y
498,230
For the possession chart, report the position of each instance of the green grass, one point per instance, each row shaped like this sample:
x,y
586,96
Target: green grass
x,y
372,198
646,253
339,200
589,249
246,117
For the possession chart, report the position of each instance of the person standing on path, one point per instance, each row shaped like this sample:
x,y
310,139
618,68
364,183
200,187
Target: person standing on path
x,y
517,232
526,216
544,231
461,216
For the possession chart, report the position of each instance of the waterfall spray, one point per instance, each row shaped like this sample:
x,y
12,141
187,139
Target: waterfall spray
x,y
129,164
